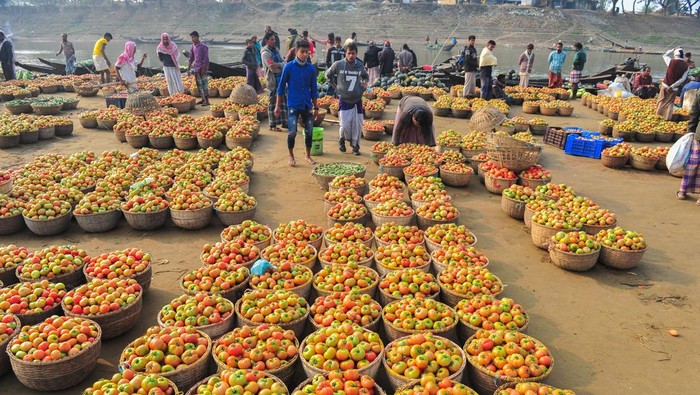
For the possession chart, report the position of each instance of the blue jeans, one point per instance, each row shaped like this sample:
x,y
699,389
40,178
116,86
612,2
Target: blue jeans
x,y
307,119
70,65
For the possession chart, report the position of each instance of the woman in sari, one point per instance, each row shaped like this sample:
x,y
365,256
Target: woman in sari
x,y
168,55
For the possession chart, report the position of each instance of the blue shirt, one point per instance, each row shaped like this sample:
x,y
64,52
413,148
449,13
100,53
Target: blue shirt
x,y
689,86
556,61
299,82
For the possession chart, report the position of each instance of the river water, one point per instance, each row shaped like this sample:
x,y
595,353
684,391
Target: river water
x,y
507,56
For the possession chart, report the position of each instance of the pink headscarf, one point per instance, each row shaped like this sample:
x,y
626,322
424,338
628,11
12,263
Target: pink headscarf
x,y
170,49
128,55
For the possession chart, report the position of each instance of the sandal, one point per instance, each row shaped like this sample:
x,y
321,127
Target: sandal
x,y
681,195
200,102
311,160
292,162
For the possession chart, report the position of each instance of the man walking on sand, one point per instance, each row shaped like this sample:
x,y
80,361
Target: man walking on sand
x,y
577,70
69,52
351,78
100,59
487,61
527,59
556,62
199,57
471,64
299,81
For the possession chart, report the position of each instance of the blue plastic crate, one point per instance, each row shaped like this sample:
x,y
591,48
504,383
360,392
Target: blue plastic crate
x,y
588,134
613,142
580,146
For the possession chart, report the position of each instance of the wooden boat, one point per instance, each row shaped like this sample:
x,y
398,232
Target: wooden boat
x,y
446,48
223,70
60,67
40,69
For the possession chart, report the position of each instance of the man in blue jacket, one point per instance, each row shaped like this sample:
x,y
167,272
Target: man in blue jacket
x,y
298,80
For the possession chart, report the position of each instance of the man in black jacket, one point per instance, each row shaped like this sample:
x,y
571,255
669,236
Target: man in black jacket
x,y
371,61
336,53
386,60
471,63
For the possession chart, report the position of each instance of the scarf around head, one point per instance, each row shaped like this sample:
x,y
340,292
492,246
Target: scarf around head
x,y
170,49
128,55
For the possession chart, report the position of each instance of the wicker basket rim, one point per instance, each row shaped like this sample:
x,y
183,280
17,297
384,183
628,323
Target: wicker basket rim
x,y
393,216
284,325
472,327
57,277
139,297
434,331
290,289
450,292
47,220
199,210
389,371
493,375
96,214
200,327
439,220
97,342
15,333
325,237
374,273
625,251
90,277
232,212
361,263
138,213
175,372
289,363
385,293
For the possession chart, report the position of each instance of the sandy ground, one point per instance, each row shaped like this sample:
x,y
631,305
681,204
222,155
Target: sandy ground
x,y
607,329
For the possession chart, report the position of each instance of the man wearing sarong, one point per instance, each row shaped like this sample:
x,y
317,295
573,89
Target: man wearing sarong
x,y
350,78
68,51
676,74
169,56
199,64
691,175
100,59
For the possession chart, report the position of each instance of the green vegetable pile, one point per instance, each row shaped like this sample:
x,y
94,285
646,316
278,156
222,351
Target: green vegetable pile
x,y
338,169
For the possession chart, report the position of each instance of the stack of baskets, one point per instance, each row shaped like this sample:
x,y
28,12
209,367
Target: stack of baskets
x,y
510,153
486,119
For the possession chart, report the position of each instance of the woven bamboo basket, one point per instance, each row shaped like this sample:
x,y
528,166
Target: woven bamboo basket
x,y
410,177
474,163
384,219
377,156
441,111
232,294
514,208
451,298
370,290
120,135
573,262
447,148
19,109
8,277
184,377
414,383
369,243
462,114
372,135
214,331
218,113
620,259
532,182
548,111
29,137
541,235
137,141
594,229
360,190
192,219
61,374
377,390
663,137
324,180
233,142
297,325
194,387
644,137
49,88
531,107
116,322
453,179
231,114
396,171
106,124
643,163
515,158
86,91
613,162
182,107
527,217
425,223
99,222
4,357
397,381
311,262
63,130
385,298
47,110
68,88
466,330
433,246
303,290
627,136
539,130
371,370
235,217
6,186
186,143
383,270
485,381
367,262
70,279
49,227
10,225
284,373
512,385
35,318
439,266
161,142
70,105
374,114
47,133
605,130
661,164
260,244
146,221
497,185
213,143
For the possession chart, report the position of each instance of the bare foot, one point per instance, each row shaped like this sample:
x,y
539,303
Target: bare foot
x,y
680,195
311,160
697,202
292,162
